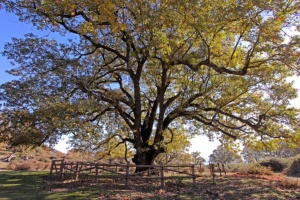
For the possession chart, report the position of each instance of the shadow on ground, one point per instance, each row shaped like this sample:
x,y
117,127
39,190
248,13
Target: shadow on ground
x,y
34,185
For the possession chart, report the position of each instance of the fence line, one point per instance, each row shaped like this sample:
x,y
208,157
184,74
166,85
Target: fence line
x,y
60,169
212,170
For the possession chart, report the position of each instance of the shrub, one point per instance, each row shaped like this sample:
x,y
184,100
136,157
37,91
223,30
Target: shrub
x,y
290,183
252,168
40,166
47,166
294,168
259,169
21,165
237,167
24,166
44,160
275,164
11,166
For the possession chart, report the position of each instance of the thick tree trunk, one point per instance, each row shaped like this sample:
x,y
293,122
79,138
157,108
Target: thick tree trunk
x,y
145,158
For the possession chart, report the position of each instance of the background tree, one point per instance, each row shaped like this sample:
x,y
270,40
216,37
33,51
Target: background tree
x,y
278,149
197,157
150,67
223,155
183,158
251,155
285,150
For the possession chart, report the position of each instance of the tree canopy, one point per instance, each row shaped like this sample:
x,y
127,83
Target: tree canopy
x,y
198,159
142,72
224,155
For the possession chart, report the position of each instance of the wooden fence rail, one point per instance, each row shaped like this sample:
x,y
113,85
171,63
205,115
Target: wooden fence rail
x,y
60,169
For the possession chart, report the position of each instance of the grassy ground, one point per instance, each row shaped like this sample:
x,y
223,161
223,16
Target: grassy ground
x,y
34,185
22,185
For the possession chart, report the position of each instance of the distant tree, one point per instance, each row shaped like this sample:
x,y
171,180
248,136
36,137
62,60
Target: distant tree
x,y
285,150
279,150
183,158
223,155
197,157
250,155
138,70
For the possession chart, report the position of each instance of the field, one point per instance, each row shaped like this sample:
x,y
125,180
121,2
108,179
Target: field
x,y
35,185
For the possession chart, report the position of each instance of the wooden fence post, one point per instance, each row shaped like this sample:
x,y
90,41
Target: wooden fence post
x,y
76,172
61,170
51,169
219,168
127,174
193,173
212,171
162,181
96,173
223,166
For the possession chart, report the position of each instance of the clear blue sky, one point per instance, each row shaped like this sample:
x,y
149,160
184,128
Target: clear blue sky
x,y
9,27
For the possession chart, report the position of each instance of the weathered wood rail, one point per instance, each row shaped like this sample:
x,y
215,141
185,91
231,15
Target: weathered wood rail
x,y
220,169
72,170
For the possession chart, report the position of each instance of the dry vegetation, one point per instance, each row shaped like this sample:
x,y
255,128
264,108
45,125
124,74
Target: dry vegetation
x,y
243,181
34,159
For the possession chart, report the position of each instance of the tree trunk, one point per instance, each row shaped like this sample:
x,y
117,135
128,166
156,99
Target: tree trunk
x,y
145,158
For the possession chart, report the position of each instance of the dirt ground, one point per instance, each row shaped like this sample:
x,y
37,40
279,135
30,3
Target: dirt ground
x,y
233,186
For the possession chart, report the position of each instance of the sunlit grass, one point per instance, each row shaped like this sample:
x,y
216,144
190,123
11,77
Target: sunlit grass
x,y
13,180
9,185
33,185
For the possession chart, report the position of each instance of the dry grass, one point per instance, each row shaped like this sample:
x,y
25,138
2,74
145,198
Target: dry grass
x,y
290,183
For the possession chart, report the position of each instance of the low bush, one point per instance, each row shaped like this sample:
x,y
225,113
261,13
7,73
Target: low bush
x,y
294,168
17,165
24,166
237,167
275,164
290,183
47,166
46,160
11,166
40,166
259,169
252,168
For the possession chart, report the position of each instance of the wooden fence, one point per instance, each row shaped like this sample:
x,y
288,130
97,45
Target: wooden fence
x,y
72,170
220,168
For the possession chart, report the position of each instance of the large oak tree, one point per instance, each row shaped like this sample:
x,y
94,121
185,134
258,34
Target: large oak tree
x,y
143,71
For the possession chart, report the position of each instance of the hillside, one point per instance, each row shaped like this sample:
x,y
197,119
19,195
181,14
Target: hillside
x,y
38,158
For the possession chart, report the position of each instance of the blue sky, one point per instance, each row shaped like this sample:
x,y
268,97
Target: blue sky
x,y
9,27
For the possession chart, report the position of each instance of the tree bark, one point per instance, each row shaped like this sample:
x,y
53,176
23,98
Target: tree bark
x,y
146,158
